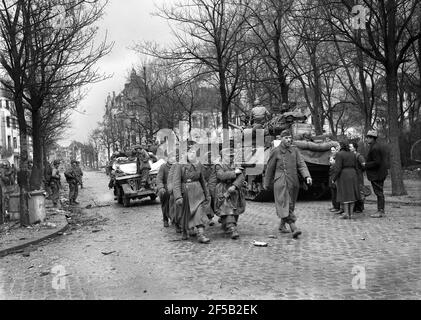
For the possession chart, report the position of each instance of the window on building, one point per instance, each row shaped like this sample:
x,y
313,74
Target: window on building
x,y
15,123
206,121
15,143
8,122
218,121
9,142
7,105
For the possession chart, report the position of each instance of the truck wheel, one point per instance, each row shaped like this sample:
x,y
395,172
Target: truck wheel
x,y
126,201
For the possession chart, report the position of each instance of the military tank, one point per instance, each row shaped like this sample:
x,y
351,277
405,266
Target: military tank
x,y
314,149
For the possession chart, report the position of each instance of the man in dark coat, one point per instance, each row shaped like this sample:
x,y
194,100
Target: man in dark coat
x,y
161,184
284,164
376,166
142,164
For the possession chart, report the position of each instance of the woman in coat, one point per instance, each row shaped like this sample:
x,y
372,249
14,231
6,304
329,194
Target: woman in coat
x,y
346,179
229,193
353,147
191,194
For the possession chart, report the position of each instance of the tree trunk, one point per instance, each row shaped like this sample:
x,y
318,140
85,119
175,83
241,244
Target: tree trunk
x,y
35,180
398,187
317,97
23,176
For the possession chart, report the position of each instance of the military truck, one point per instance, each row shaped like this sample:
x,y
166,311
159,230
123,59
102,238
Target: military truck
x,y
126,182
315,151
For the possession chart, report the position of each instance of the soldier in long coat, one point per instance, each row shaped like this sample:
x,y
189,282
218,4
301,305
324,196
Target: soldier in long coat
x,y
72,179
161,184
284,164
172,208
191,194
229,193
211,181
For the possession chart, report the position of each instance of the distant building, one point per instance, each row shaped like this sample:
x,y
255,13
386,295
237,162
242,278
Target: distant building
x,y
9,130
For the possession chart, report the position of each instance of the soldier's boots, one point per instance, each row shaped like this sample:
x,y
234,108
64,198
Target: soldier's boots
x,y
283,228
184,235
192,232
234,232
201,235
177,228
378,214
295,231
166,224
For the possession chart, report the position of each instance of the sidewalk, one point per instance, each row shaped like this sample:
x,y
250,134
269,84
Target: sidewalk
x,y
413,198
15,239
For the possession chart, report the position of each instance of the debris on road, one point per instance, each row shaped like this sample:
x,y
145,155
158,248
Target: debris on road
x,y
106,253
260,243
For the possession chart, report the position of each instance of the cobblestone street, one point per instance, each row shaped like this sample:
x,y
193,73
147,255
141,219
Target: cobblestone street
x,y
132,256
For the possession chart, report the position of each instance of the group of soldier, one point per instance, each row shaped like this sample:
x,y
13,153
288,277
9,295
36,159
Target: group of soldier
x,y
73,176
191,193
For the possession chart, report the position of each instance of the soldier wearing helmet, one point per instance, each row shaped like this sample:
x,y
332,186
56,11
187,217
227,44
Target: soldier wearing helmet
x,y
72,179
55,182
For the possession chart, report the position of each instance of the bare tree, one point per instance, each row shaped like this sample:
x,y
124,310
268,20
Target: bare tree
x,y
43,58
389,32
211,38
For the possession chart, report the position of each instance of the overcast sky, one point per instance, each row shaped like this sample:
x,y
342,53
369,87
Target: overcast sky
x,y
127,21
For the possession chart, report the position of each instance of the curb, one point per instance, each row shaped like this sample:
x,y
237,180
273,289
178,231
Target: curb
x,y
11,250
400,203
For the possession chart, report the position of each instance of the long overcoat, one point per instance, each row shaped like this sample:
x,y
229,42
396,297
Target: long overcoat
x,y
190,185
376,163
282,171
161,184
346,177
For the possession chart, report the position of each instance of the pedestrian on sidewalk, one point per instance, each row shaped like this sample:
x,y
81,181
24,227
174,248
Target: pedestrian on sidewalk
x,y
79,174
161,184
55,183
48,171
336,207
353,147
376,166
72,180
229,193
346,179
284,164
191,194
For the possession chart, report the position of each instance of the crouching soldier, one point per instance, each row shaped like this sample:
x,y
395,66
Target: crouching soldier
x,y
162,186
229,193
72,179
